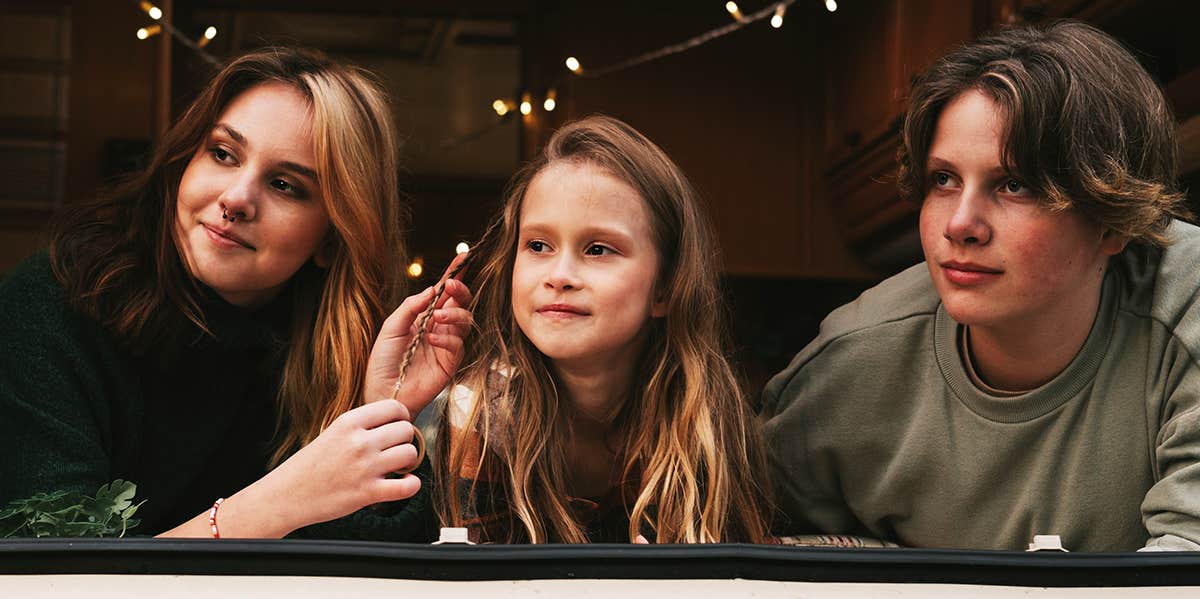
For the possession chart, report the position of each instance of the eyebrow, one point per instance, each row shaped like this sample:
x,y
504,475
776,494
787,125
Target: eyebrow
x,y
297,168
590,231
936,163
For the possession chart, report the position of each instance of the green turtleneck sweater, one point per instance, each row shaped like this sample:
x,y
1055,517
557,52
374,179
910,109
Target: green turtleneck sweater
x,y
188,424
876,428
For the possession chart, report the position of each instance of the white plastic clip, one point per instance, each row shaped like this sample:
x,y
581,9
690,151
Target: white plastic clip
x,y
1046,543
455,536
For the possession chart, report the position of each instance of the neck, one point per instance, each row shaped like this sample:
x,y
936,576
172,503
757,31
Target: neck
x,y
596,391
1028,354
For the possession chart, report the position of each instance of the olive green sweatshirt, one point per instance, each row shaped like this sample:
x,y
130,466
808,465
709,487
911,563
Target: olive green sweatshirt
x,y
876,429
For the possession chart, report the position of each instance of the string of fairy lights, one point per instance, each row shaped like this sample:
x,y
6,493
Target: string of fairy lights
x,y
505,107
775,12
161,24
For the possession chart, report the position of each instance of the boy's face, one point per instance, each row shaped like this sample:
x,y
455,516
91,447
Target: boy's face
x,y
1000,260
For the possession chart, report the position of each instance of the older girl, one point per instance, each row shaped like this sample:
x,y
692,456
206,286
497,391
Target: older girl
x,y
213,318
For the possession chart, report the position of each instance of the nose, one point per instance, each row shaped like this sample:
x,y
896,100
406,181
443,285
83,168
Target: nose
x,y
239,200
563,274
968,223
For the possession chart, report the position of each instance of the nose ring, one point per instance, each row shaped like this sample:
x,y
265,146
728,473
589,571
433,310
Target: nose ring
x,y
225,215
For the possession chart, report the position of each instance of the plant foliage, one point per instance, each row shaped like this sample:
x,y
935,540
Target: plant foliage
x,y
72,514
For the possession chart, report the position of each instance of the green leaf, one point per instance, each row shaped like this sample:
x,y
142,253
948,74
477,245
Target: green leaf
x,y
72,514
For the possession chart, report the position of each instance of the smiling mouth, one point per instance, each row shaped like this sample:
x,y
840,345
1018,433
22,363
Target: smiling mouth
x,y
561,311
225,239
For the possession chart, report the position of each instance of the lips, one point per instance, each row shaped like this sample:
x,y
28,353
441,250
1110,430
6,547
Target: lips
x,y
561,311
969,273
225,238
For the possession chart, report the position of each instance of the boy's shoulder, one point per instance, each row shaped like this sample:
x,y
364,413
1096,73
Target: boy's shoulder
x,y
1162,284
898,298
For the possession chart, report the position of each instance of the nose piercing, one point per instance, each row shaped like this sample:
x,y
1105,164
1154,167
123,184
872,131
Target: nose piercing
x,y
225,215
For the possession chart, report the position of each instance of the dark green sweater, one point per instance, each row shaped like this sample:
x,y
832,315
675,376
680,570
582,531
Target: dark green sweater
x,y
188,424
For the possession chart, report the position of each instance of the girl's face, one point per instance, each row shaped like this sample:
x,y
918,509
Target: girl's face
x,y
257,166
583,283
997,257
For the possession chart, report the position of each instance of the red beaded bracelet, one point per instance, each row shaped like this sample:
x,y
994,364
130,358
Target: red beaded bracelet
x,y
212,518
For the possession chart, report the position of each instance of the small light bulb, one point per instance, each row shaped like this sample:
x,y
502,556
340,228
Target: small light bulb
x,y
148,32
415,269
501,107
732,7
551,101
777,18
573,64
150,9
210,33
831,5
526,107
462,248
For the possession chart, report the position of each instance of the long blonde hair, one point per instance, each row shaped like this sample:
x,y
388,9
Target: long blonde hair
x,y
689,434
117,257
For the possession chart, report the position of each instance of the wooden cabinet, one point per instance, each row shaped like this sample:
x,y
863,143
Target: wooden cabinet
x,y
876,49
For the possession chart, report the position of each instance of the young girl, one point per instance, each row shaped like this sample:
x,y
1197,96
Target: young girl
x,y
214,316
598,404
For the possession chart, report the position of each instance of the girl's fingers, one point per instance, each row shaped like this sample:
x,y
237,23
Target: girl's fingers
x,y
450,343
395,489
399,457
403,317
377,413
392,434
457,294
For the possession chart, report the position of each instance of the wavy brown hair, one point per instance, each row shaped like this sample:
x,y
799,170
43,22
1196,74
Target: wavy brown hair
x,y
689,437
117,258
1086,126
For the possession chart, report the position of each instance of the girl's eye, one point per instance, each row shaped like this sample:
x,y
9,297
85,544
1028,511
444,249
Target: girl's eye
x,y
597,250
536,246
941,179
221,155
284,186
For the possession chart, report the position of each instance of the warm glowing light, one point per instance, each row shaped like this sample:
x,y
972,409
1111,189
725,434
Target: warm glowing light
x,y
831,5
415,269
209,34
777,18
734,11
500,106
148,32
573,64
551,101
152,10
526,107
462,248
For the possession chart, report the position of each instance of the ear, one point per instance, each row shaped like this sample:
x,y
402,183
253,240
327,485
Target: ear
x,y
1113,243
326,253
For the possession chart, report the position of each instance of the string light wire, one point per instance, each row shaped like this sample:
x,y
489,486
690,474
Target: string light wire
x,y
687,44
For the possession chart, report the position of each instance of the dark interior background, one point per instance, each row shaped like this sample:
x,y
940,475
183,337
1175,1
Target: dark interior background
x,y
789,134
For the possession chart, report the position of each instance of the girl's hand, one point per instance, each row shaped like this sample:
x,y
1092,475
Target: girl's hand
x,y
343,470
438,354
